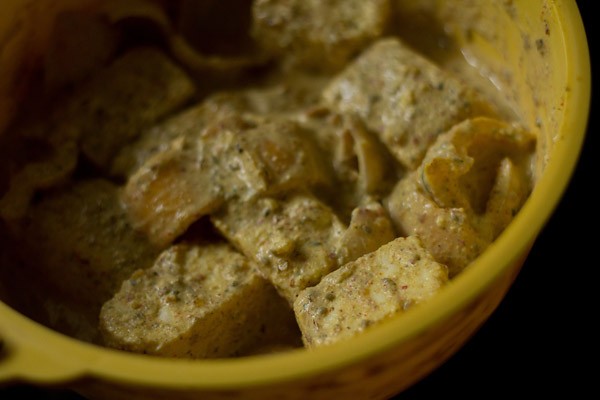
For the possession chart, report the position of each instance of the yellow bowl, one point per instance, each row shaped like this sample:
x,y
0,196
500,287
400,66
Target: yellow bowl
x,y
535,51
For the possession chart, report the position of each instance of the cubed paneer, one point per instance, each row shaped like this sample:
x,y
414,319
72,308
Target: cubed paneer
x,y
198,300
134,92
291,239
190,121
403,97
315,33
80,244
238,157
450,234
171,191
472,182
396,277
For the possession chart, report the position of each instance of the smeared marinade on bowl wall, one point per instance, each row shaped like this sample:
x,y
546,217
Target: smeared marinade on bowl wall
x,y
343,161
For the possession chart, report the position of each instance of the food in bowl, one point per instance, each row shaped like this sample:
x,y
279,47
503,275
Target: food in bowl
x,y
289,186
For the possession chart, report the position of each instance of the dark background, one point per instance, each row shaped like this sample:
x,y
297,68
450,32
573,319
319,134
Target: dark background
x,y
540,337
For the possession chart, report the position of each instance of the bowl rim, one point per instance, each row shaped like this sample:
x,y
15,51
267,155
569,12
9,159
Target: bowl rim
x,y
27,340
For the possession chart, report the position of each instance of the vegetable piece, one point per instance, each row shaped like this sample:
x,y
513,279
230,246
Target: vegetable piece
x,y
472,182
404,98
398,276
461,167
197,301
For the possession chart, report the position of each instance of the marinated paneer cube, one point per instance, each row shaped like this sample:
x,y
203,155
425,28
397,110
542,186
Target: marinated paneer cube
x,y
134,92
238,157
80,244
470,185
291,239
398,276
171,191
190,121
403,97
198,300
450,234
315,33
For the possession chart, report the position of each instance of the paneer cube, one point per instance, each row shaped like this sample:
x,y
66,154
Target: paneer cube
x,y
470,185
396,277
315,33
116,104
450,234
403,97
196,301
292,240
189,122
80,245
130,95
238,157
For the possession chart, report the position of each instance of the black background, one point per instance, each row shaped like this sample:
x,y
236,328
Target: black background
x,y
539,340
